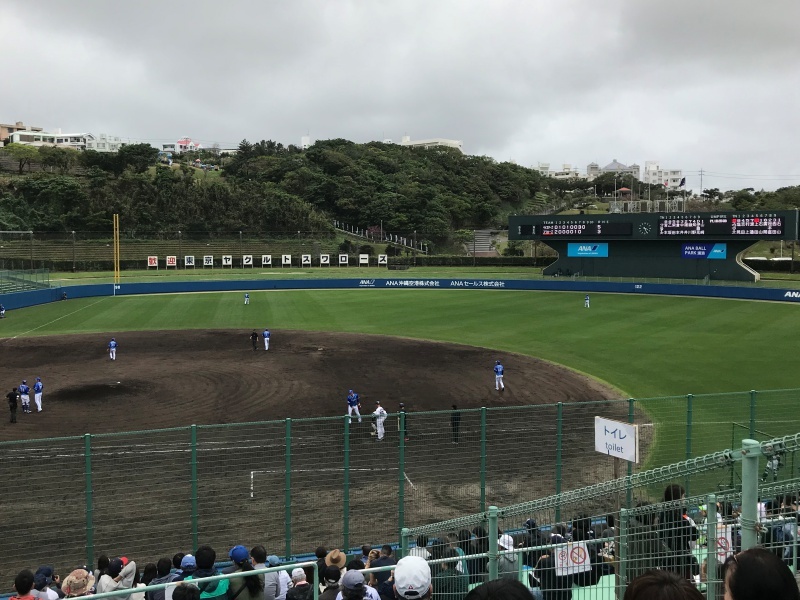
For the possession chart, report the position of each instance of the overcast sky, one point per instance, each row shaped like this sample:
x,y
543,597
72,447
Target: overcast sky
x,y
708,84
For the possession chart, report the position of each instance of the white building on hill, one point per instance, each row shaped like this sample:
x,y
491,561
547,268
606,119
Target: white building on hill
x,y
654,174
432,143
77,141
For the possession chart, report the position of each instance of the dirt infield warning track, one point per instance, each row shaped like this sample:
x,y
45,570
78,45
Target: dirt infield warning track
x,y
176,378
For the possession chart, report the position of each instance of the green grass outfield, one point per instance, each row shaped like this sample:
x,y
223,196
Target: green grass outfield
x,y
646,346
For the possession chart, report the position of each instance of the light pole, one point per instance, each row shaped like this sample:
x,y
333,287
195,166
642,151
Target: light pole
x,y
73,251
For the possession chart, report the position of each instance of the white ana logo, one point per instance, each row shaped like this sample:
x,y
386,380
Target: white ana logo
x,y
367,282
792,295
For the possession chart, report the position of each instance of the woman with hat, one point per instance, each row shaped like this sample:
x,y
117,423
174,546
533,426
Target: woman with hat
x,y
78,583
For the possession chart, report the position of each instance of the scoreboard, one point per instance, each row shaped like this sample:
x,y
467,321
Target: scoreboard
x,y
773,225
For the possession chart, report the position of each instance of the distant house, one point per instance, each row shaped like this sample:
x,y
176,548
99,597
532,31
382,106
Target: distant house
x,y
185,144
77,141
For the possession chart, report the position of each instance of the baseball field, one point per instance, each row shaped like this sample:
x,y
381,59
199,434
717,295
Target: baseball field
x,y
186,358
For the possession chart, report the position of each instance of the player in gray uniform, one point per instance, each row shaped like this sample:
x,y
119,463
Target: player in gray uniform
x,y
380,416
25,396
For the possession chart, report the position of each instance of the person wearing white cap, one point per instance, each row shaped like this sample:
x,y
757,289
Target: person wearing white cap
x,y
507,564
301,590
412,579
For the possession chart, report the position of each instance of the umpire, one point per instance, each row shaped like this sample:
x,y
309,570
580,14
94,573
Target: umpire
x,y
254,339
13,403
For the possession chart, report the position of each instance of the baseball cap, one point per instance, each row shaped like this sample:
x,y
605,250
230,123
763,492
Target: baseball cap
x,y
351,391
24,381
506,541
412,577
115,567
377,401
239,554
188,562
38,379
497,362
298,573
530,524
273,560
353,580
45,571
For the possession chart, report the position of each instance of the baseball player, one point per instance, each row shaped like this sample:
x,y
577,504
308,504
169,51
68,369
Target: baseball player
x,y
498,376
586,301
25,396
246,298
37,393
13,400
112,349
3,315
265,335
254,340
380,417
353,406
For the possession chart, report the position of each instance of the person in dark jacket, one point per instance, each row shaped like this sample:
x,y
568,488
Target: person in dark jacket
x,y
206,556
163,575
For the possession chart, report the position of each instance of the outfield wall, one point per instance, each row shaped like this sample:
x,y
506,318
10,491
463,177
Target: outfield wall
x,y
32,298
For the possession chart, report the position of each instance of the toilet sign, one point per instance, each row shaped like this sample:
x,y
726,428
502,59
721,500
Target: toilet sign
x,y
617,439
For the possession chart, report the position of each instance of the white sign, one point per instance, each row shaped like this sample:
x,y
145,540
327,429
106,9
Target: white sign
x,y
247,260
383,260
725,546
227,260
343,259
286,260
208,261
617,439
172,261
325,259
572,558
266,260
188,261
152,261
363,259
306,260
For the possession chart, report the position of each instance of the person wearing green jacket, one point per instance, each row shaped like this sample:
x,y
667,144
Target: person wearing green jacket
x,y
209,590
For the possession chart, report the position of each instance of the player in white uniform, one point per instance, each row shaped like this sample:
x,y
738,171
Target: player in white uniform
x,y
246,298
265,335
24,395
586,301
112,349
498,376
380,416
37,393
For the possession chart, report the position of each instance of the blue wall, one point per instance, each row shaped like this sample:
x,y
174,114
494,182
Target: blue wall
x,y
23,299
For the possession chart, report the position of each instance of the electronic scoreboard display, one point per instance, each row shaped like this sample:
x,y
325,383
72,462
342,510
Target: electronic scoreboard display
x,y
777,225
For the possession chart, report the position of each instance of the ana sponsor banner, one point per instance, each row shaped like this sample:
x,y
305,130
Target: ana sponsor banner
x,y
709,251
588,250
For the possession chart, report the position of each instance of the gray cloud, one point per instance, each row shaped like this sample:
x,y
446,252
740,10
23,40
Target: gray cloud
x,y
710,85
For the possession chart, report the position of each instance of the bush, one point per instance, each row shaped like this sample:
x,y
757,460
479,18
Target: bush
x,y
366,249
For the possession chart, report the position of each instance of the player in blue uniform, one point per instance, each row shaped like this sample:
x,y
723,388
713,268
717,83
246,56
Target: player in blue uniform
x,y
3,314
586,301
353,405
25,396
265,335
37,393
498,376
112,349
246,298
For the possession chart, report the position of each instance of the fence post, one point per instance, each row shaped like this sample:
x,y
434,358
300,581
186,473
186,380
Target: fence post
x,y
287,509
622,550
689,403
751,450
87,458
483,459
405,535
711,546
193,440
628,489
493,537
559,432
346,489
753,394
401,477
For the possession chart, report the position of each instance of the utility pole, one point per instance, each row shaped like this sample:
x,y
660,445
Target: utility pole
x,y
701,182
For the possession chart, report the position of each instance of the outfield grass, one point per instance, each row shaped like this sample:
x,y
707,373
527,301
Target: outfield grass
x,y
646,346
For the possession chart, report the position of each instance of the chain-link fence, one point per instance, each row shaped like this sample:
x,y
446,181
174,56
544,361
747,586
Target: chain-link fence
x,y
292,485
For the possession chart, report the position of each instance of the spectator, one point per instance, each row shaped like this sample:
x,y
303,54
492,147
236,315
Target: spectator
x,y
480,545
186,592
507,563
661,585
373,556
102,567
188,566
412,579
283,577
757,574
365,550
163,575
643,544
120,576
23,583
176,561
421,549
447,582
45,582
148,574
354,587
301,589
330,583
321,553
77,583
380,580
461,565
678,532
500,589
272,582
609,532
244,588
205,558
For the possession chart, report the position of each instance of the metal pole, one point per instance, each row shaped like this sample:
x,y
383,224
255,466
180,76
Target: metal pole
x,y
287,510
87,458
750,453
753,395
493,537
404,541
474,261
31,250
241,250
483,459
559,436
73,251
401,477
193,439
346,486
689,402
180,252
622,551
711,546
628,489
